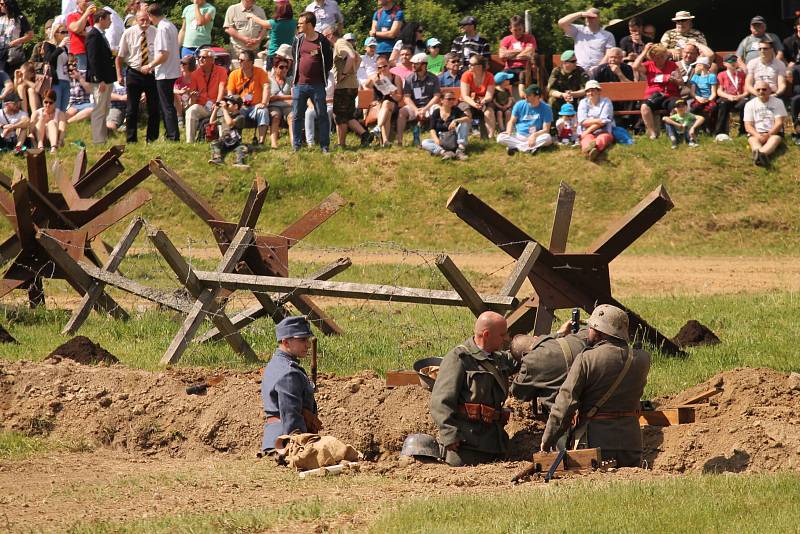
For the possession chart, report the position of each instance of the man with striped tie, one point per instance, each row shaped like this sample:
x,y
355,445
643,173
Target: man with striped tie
x,y
134,51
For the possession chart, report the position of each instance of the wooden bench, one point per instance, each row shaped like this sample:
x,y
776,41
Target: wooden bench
x,y
365,98
624,92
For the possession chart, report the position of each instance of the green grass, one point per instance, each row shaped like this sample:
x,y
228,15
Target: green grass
x,y
724,205
719,503
378,336
15,445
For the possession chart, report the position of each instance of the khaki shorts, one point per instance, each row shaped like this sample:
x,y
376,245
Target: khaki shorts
x,y
344,105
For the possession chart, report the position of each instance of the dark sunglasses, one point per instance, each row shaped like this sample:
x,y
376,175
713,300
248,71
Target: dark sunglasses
x,y
48,102
765,48
62,32
571,61
281,67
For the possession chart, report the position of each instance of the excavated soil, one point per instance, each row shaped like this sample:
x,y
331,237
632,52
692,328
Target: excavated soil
x,y
83,350
752,425
694,334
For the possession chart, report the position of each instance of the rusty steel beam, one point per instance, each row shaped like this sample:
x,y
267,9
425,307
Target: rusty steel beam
x,y
115,195
254,203
101,173
37,169
79,167
186,194
313,218
116,213
562,218
636,222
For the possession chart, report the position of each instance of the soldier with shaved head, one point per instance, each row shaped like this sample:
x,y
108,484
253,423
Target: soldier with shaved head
x,y
468,396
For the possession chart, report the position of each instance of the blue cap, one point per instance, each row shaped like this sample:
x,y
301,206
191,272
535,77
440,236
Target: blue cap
x,y
567,109
370,41
502,76
294,326
433,41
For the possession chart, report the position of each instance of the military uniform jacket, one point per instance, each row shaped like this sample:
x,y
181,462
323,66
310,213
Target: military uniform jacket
x,y
544,368
464,378
588,380
285,391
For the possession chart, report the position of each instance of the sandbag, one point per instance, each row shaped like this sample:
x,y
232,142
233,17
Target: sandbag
x,y
312,451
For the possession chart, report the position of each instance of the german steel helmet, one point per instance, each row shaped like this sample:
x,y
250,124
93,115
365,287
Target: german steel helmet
x,y
609,320
421,445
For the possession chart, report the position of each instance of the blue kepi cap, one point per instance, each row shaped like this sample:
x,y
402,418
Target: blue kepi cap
x,y
295,326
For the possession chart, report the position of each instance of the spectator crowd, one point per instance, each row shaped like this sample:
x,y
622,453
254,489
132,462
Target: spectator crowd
x,y
305,75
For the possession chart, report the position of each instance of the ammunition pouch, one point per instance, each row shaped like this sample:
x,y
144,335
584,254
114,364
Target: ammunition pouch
x,y
484,413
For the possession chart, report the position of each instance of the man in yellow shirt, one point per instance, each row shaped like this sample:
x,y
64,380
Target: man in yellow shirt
x,y
251,83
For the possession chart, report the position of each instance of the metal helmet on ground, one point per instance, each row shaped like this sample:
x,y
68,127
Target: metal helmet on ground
x,y
609,320
421,445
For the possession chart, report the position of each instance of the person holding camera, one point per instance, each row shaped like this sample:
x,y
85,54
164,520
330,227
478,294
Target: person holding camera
x,y
227,112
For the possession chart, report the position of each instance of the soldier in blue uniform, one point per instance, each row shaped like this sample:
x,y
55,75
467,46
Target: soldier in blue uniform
x,y
286,390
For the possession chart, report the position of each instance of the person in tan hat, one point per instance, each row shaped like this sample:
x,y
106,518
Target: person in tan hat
x,y
682,34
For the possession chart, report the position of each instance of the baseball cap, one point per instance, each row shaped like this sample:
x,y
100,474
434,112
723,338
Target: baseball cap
x,y
502,76
11,97
567,55
758,19
468,20
703,60
370,41
731,58
680,102
419,58
349,37
433,41
567,110
533,89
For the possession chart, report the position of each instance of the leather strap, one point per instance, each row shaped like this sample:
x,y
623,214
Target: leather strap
x,y
493,370
566,350
596,408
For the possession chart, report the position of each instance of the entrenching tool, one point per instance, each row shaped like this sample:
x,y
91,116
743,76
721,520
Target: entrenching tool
x,y
562,454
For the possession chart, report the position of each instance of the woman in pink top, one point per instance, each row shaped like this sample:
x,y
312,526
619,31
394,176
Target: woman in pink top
x,y
663,85
477,92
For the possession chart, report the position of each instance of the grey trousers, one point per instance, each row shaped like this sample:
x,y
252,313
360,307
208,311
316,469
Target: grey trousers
x,y
102,101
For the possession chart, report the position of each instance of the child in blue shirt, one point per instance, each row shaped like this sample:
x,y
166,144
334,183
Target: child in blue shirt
x,y
703,91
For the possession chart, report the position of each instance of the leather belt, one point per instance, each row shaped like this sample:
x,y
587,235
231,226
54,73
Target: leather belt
x,y
608,416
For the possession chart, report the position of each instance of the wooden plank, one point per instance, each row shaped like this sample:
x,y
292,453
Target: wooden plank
x,y
313,218
562,218
402,378
181,189
206,304
315,315
76,276
700,397
521,270
300,286
254,203
97,287
461,285
575,460
185,274
162,298
667,417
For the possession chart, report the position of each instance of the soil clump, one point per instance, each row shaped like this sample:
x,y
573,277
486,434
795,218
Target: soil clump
x,y
83,350
695,334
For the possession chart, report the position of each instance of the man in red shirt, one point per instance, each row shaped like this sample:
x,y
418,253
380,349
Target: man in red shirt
x,y
206,87
77,24
518,50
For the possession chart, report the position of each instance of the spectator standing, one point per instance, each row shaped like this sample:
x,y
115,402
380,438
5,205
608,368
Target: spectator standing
x,y
518,51
328,14
614,70
682,125
633,44
282,28
198,21
567,81
663,82
704,92
345,67
313,59
731,96
766,68
471,43
167,66
251,83
100,72
57,56
136,49
764,118
206,88
591,40
14,123
244,32
683,34
748,48
369,60
280,99
421,93
114,32
477,93
48,124
77,24
15,31
529,127
451,77
386,24
595,121
445,122
388,91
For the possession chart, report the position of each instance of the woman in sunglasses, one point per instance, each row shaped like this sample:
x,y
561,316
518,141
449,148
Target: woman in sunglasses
x,y
80,107
57,57
48,125
280,99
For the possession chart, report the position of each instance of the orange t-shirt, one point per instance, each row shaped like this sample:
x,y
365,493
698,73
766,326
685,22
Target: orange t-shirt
x,y
478,91
208,84
250,89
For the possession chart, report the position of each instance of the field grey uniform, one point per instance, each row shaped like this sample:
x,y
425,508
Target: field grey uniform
x,y
544,367
465,377
589,378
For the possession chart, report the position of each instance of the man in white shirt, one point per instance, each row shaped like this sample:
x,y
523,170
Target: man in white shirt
x,y
764,117
328,14
135,49
13,123
766,68
591,40
369,65
166,64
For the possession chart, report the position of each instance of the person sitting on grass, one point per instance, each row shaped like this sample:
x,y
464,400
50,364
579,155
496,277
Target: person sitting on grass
x,y
529,127
451,76
280,99
683,125
449,128
388,90
13,124
25,85
503,99
228,112
48,126
80,107
567,126
764,118
119,105
435,59
595,121
703,91
567,82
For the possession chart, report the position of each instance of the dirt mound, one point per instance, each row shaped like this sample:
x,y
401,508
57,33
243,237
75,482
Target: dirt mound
x,y
83,350
5,337
694,334
752,425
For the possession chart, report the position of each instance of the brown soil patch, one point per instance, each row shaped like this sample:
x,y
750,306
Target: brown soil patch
x,y
694,334
83,350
